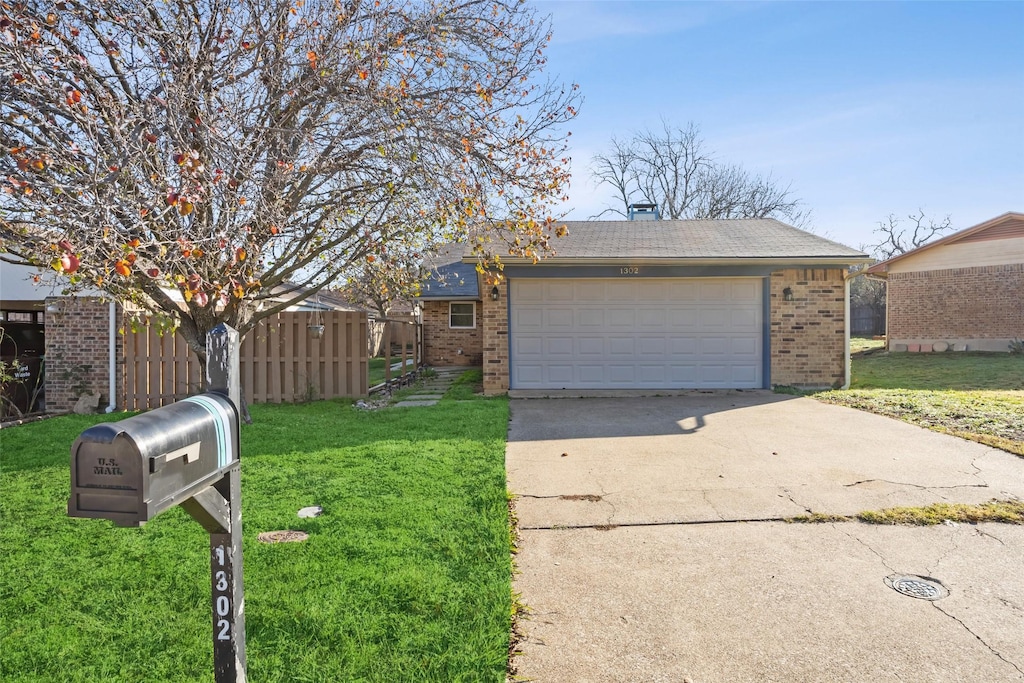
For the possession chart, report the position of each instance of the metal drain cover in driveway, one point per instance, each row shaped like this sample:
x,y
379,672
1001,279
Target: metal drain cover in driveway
x,y
921,587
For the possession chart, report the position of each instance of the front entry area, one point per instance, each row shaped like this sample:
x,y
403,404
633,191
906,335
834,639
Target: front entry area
x,y
636,333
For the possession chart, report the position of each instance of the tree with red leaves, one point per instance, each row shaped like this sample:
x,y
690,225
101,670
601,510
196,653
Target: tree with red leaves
x,y
246,153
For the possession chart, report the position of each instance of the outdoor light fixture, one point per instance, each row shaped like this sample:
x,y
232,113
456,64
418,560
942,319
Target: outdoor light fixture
x,y
787,294
495,294
53,307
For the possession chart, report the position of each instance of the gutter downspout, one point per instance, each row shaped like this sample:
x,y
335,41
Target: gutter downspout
x,y
846,333
112,356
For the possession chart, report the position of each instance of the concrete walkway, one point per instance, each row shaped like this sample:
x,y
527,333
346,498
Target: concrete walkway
x,y
429,391
642,558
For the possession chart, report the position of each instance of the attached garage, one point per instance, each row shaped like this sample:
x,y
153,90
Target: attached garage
x,y
656,305
633,333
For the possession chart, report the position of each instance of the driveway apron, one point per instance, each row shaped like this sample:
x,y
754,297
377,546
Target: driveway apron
x,y
653,546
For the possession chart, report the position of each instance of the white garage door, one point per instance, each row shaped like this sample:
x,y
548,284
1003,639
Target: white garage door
x,y
636,334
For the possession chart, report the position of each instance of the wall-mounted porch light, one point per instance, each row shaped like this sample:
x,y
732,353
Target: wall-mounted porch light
x,y
495,293
787,294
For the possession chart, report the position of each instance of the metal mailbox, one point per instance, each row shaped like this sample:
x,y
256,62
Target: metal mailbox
x,y
130,471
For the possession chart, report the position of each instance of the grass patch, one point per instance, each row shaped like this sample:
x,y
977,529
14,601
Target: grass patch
x,y
1003,511
466,386
376,372
938,371
995,418
405,577
976,396
1000,511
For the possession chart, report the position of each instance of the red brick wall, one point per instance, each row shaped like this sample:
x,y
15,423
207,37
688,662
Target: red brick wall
x,y
77,352
958,304
496,343
441,343
808,340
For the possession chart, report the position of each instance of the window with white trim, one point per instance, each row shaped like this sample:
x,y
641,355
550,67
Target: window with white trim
x,y
462,315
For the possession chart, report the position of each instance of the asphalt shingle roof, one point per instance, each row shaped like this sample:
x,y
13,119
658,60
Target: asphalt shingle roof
x,y
448,277
694,239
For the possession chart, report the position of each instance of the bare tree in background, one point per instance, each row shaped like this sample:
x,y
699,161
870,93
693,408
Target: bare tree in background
x,y
674,169
899,237
247,153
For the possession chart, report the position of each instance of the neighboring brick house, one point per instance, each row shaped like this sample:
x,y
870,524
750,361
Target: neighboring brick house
x,y
965,290
652,304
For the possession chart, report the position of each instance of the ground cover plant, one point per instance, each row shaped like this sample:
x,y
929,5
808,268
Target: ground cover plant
x,y
977,396
405,577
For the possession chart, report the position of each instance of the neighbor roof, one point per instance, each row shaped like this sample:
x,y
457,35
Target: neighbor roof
x,y
1007,224
747,238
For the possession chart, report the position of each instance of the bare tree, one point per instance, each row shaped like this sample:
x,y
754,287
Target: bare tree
x,y
674,169
248,152
899,237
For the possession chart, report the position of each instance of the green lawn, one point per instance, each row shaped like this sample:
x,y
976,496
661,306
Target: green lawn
x,y
978,396
405,577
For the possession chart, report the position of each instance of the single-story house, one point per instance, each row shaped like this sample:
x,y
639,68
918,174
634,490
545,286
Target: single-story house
x,y
650,304
964,291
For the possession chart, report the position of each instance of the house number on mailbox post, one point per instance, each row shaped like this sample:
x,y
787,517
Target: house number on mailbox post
x,y
184,454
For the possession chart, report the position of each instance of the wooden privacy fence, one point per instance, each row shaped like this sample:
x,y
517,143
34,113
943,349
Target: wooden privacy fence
x,y
280,362
399,339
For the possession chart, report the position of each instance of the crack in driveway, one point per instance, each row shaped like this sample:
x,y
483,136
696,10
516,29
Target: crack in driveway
x,y
979,638
917,486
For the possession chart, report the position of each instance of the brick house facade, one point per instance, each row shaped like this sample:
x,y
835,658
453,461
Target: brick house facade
x,y
808,333
78,352
977,306
444,345
962,291
752,321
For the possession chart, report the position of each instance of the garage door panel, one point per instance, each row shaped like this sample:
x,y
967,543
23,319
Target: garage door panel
x,y
621,346
747,320
524,347
683,290
652,290
745,347
529,373
684,319
590,346
621,318
592,291
621,290
590,374
529,319
558,346
745,373
712,291
636,333
749,290
684,374
590,317
650,319
529,291
684,347
648,347
560,319
559,290
623,375
714,318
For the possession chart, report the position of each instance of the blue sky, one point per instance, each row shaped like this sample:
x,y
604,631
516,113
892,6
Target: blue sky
x,y
866,108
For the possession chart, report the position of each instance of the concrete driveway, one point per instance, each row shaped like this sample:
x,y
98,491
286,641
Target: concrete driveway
x,y
653,547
